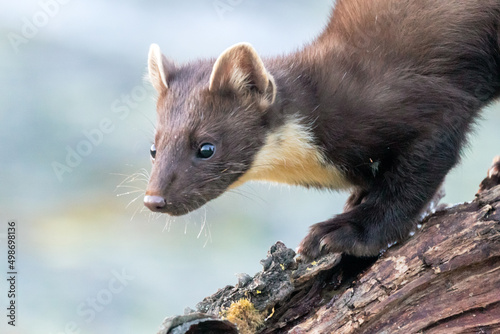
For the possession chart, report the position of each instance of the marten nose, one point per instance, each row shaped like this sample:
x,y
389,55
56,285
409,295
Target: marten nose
x,y
154,203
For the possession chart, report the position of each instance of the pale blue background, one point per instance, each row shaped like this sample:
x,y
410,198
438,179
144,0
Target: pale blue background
x,y
73,234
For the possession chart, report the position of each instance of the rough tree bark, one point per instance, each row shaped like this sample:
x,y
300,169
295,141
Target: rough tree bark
x,y
444,279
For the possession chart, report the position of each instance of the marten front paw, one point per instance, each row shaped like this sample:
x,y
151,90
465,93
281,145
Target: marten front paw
x,y
323,238
339,236
309,249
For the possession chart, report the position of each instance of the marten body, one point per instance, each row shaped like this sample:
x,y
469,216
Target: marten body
x,y
380,103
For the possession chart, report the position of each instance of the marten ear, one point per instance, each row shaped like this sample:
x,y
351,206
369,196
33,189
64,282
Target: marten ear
x,y
158,67
240,69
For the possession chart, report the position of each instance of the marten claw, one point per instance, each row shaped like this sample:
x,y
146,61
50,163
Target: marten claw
x,y
319,241
309,247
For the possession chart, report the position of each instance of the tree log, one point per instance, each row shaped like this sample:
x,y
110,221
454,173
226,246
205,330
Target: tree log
x,y
443,279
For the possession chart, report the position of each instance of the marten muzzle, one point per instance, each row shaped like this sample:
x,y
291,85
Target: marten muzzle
x,y
176,193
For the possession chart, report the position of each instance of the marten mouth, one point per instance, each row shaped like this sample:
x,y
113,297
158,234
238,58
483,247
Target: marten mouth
x,y
178,211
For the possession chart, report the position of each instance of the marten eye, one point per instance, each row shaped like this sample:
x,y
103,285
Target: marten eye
x,y
152,150
206,151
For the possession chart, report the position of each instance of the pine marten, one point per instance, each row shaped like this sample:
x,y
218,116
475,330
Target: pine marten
x,y
380,103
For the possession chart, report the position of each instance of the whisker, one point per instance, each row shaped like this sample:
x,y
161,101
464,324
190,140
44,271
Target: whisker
x,y
186,224
135,199
132,178
130,192
131,187
134,184
139,209
248,195
168,224
203,223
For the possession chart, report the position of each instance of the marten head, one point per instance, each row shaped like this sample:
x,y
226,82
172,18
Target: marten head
x,y
211,122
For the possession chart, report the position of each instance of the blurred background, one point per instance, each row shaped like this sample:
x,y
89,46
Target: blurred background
x,y
76,125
